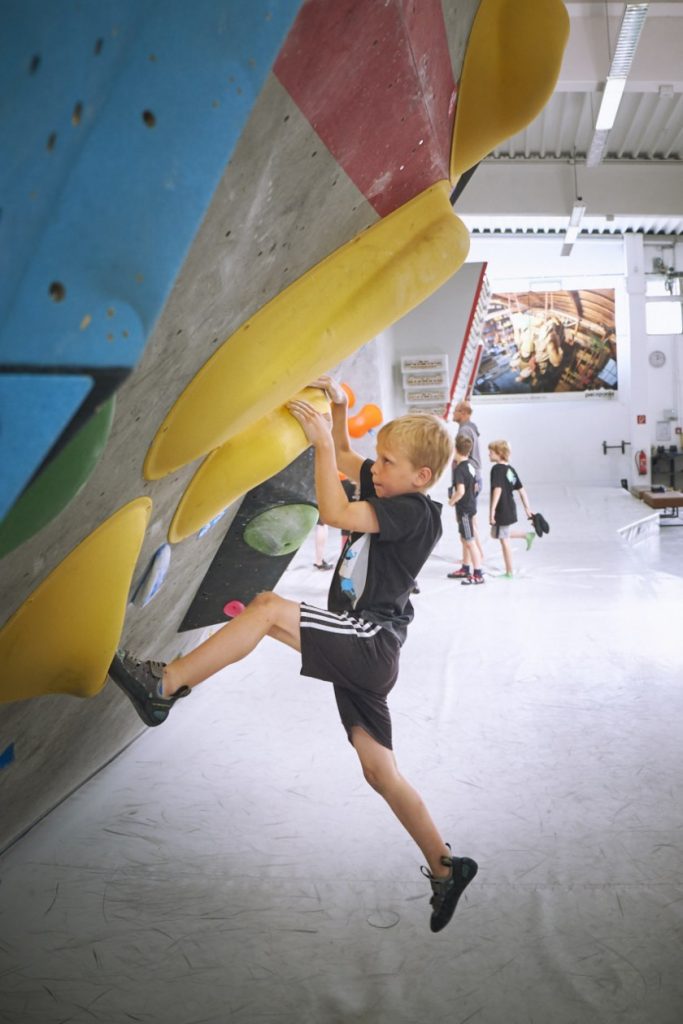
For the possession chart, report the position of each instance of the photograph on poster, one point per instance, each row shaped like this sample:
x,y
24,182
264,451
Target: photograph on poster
x,y
559,343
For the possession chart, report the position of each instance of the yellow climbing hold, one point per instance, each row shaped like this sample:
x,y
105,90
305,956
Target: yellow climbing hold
x,y
511,65
243,462
337,306
63,637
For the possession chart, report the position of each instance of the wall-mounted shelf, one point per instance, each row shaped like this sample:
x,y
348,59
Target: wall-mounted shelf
x,y
425,383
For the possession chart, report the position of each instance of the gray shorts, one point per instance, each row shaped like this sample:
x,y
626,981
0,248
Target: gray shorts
x,y
361,660
501,532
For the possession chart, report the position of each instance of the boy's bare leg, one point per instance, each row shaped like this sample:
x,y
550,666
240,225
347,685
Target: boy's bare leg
x,y
507,555
477,540
476,546
472,551
267,615
381,772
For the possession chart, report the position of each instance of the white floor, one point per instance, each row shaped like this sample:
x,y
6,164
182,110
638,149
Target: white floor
x,y
232,865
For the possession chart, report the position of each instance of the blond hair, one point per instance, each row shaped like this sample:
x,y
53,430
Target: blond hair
x,y
463,406
501,448
423,438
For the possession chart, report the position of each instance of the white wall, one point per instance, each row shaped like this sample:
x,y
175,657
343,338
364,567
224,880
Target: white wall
x,y
554,439
437,326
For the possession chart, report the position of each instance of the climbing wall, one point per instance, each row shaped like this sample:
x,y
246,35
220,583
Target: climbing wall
x,y
203,207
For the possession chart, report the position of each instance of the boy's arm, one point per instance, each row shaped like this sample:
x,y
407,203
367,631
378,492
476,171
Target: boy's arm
x,y
334,507
495,498
457,494
348,461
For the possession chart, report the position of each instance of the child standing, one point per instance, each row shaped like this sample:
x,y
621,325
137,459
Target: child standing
x,y
503,510
462,415
355,642
464,497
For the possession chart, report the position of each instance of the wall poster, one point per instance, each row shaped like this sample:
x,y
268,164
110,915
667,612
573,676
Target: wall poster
x,y
549,343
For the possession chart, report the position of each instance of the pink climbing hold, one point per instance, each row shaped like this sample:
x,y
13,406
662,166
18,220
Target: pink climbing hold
x,y
233,609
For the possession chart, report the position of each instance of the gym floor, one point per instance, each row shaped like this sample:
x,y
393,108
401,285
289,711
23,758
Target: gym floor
x,y
233,865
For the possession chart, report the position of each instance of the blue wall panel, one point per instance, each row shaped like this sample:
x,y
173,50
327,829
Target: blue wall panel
x,y
117,122
117,119
33,411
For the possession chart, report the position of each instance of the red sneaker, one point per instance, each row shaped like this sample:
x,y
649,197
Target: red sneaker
x,y
459,574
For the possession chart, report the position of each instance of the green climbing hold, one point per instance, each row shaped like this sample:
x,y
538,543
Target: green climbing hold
x,y
281,529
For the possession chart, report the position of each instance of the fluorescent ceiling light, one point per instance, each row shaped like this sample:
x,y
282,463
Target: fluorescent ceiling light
x,y
576,215
627,41
611,98
571,234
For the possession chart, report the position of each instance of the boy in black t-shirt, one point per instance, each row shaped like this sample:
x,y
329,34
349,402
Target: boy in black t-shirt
x,y
464,497
355,642
503,511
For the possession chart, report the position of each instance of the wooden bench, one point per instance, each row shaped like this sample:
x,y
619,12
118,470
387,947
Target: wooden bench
x,y
668,501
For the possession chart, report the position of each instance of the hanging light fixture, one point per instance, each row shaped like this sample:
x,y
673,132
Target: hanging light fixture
x,y
573,228
627,41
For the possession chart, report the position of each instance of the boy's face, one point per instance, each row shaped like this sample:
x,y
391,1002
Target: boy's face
x,y
493,456
393,473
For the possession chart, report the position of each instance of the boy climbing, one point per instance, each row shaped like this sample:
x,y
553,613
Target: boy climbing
x,y
355,643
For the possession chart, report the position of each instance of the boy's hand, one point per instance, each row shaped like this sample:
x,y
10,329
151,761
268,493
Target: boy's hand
x,y
335,392
316,426
452,500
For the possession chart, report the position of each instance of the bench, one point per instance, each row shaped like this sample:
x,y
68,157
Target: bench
x,y
668,502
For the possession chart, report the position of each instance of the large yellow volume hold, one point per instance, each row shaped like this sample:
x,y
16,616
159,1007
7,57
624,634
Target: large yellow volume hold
x,y
243,462
63,637
329,312
511,65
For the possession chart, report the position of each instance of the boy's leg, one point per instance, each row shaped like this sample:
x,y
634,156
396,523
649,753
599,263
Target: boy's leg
x,y
476,576
267,615
381,772
153,687
450,875
507,555
474,554
465,554
529,536
477,540
320,545
465,565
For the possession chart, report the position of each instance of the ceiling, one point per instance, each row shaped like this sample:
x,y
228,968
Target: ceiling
x,y
537,175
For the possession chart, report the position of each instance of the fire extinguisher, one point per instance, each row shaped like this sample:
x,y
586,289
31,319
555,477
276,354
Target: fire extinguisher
x,y
641,463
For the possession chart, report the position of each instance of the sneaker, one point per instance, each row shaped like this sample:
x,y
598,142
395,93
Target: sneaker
x,y
459,574
472,580
141,683
323,565
530,538
447,891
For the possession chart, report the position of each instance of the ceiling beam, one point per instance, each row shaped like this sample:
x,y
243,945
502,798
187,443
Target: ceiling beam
x,y
546,188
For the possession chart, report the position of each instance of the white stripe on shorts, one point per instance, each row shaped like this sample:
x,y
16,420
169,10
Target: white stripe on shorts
x,y
333,622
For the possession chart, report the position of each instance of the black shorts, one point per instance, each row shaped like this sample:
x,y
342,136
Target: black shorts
x,y
361,660
465,525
